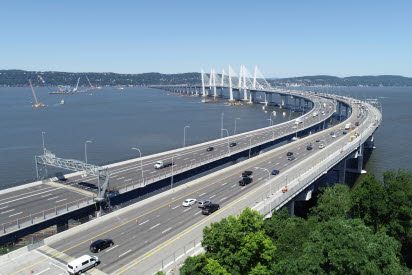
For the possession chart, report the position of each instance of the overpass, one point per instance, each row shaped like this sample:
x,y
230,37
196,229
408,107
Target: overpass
x,y
157,233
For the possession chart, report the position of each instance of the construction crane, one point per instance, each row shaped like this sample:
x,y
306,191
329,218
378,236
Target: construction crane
x,y
77,85
91,86
37,104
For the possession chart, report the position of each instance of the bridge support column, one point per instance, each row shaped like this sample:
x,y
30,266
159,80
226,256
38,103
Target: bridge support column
x,y
60,227
342,172
245,94
283,100
252,96
291,208
266,100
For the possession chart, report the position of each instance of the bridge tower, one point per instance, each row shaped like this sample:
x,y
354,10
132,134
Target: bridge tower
x,y
230,85
203,84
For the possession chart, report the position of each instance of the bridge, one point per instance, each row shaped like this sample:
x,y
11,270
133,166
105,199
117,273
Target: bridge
x,y
156,233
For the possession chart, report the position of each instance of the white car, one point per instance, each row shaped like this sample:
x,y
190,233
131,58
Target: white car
x,y
333,136
321,146
189,202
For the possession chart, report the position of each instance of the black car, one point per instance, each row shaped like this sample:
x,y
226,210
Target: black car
x,y
291,158
210,148
247,173
332,133
99,245
232,144
318,140
245,180
210,208
289,154
344,132
309,147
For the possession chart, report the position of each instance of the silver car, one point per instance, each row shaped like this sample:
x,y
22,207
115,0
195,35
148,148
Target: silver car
x,y
202,203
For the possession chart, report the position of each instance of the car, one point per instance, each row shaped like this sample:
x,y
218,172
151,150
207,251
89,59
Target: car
x,y
245,180
232,144
309,147
210,208
189,202
247,173
291,158
289,154
99,245
318,140
333,136
344,132
210,148
357,123
203,203
332,133
321,146
275,172
81,264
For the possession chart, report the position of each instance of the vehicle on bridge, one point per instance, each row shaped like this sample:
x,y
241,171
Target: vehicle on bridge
x,y
232,144
275,172
161,164
203,203
82,264
291,158
99,245
189,202
245,180
210,208
210,148
289,154
247,174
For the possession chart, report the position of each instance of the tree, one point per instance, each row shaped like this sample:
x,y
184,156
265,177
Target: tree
x,y
398,187
370,202
340,246
287,233
193,265
333,202
239,244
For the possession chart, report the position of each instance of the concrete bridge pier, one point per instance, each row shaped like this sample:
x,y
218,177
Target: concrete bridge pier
x,y
245,98
359,164
252,96
303,196
221,92
284,100
370,143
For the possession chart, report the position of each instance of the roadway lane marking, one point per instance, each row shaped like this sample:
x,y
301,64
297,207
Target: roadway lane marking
x,y
144,222
269,162
61,200
176,207
259,178
280,157
277,163
212,196
30,196
53,198
7,211
192,159
43,271
111,248
233,185
121,178
47,195
197,213
186,210
223,198
186,159
124,253
202,194
15,214
128,180
154,226
243,188
166,230
224,183
153,172
4,207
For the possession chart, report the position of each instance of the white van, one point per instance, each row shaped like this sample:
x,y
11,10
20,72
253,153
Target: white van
x,y
81,264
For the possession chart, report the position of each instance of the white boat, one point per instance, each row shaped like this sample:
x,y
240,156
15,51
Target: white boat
x,y
62,101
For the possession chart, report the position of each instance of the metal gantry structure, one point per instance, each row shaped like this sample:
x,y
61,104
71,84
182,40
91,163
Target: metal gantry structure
x,y
102,173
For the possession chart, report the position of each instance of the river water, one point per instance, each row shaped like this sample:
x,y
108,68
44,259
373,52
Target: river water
x,y
153,120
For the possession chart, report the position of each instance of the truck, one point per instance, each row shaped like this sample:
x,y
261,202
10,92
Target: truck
x,y
347,126
162,164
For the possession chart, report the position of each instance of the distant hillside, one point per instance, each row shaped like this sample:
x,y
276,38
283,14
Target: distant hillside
x,y
20,78
380,80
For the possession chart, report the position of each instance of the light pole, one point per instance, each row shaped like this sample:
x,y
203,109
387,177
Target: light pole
x,y
85,150
42,138
171,178
290,112
228,145
184,135
261,168
234,132
250,145
270,121
221,125
140,156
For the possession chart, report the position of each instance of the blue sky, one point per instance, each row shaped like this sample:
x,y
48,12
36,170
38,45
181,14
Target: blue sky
x,y
284,38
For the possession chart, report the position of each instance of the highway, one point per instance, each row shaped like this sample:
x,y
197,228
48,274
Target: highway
x,y
140,230
28,203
